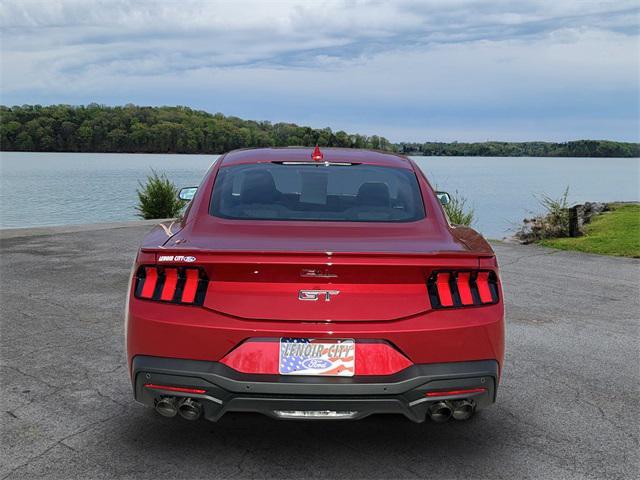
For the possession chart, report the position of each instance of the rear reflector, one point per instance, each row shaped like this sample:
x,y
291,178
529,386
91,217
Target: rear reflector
x,y
185,285
175,389
447,393
462,288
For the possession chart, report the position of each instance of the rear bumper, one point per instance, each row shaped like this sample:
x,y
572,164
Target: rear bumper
x,y
227,390
438,336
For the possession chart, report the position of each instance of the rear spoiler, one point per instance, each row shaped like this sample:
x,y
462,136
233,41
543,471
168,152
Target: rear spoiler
x,y
435,259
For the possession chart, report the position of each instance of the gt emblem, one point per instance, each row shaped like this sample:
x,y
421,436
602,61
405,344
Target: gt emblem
x,y
315,295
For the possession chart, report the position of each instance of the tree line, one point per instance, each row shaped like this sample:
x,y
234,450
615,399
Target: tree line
x,y
577,148
136,129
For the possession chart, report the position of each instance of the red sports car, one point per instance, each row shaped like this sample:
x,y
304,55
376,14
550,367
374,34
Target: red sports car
x,y
304,284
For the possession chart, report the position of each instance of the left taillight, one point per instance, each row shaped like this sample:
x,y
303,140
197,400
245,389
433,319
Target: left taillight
x,y
455,289
183,285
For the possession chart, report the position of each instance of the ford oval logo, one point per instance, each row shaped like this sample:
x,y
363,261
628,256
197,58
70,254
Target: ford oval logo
x,y
189,259
316,363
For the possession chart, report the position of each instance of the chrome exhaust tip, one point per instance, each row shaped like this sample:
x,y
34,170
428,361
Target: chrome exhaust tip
x,y
463,410
167,407
189,409
440,412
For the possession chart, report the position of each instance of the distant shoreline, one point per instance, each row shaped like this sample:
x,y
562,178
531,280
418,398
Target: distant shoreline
x,y
137,129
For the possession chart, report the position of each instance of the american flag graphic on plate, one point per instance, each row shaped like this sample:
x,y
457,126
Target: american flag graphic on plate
x,y
311,356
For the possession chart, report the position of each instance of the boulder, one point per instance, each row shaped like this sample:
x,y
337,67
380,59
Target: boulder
x,y
580,215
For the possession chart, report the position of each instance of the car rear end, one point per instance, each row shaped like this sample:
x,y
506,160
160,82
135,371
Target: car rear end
x,y
320,306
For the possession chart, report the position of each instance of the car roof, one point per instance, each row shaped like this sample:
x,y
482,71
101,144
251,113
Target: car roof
x,y
302,154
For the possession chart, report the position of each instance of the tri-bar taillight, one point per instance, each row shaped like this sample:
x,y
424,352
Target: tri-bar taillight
x,y
184,285
463,288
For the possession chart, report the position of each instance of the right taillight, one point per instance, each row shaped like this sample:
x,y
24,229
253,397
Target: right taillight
x,y
184,285
464,288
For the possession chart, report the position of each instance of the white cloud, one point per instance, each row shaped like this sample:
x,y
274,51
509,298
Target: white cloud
x,y
431,59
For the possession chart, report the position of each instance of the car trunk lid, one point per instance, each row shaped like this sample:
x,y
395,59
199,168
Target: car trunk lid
x,y
318,271
317,287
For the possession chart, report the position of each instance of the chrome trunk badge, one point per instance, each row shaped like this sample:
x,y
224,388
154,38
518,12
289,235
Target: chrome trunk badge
x,y
315,295
316,273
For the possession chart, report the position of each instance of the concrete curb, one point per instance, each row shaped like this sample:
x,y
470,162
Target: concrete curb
x,y
7,233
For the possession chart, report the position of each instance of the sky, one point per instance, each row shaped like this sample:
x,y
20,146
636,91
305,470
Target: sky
x,y
430,70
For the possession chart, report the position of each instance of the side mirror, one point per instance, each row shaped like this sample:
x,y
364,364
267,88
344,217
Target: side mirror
x,y
187,193
444,197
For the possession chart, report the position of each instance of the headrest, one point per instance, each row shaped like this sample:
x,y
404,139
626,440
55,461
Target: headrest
x,y
373,194
259,187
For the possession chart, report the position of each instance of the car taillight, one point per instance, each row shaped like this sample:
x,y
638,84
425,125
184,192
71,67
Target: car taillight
x,y
454,289
185,285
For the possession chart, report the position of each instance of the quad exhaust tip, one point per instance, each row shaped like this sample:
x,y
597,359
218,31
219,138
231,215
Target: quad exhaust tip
x,y
458,410
440,412
462,410
167,407
189,409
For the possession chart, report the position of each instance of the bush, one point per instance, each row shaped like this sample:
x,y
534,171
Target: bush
x,y
158,198
554,223
457,212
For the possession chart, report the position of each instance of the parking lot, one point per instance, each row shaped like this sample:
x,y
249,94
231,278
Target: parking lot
x,y
567,407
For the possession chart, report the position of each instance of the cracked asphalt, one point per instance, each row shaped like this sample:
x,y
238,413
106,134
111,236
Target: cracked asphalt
x,y
567,406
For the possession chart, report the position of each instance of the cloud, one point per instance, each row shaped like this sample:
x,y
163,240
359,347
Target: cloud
x,y
453,67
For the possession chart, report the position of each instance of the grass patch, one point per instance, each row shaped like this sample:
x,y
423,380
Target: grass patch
x,y
616,232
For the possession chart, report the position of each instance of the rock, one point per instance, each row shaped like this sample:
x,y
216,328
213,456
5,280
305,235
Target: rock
x,y
579,215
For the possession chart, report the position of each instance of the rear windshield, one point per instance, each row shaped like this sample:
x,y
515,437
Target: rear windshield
x,y
343,193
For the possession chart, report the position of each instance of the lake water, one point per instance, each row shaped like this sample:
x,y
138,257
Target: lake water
x,y
39,189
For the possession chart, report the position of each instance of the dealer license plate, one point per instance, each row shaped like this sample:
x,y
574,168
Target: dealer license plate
x,y
310,356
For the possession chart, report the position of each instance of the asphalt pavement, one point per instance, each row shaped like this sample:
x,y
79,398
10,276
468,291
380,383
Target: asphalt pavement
x,y
567,406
